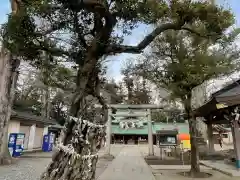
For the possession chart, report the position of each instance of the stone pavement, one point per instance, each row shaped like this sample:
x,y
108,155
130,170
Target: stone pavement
x,y
222,167
32,165
173,175
24,169
144,150
128,165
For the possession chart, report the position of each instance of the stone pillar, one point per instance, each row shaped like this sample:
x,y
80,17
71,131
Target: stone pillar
x,y
150,134
31,136
236,142
210,137
109,132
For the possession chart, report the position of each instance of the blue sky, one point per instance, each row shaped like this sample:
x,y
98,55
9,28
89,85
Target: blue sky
x,y
137,35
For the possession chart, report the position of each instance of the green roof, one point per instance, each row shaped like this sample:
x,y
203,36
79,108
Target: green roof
x,y
182,128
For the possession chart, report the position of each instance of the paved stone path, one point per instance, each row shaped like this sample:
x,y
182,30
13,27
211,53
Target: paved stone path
x,y
32,165
128,165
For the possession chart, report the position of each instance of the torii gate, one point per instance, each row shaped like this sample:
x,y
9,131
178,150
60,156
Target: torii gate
x,y
147,113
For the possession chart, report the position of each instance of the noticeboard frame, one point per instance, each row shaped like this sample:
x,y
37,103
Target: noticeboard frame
x,y
170,133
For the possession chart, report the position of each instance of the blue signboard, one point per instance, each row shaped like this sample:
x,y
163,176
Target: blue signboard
x,y
47,143
15,144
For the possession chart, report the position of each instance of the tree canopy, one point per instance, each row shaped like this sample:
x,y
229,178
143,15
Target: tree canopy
x,y
68,28
181,61
85,31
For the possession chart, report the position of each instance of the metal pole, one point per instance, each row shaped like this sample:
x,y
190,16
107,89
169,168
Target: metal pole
x,y
109,132
150,134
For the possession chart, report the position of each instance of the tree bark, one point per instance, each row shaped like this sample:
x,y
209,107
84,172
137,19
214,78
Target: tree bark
x,y
45,103
195,166
9,76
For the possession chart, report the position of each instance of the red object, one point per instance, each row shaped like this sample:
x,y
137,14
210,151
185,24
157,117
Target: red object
x,y
183,137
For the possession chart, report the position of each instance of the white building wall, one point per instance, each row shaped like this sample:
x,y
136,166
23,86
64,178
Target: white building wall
x,y
31,137
26,131
38,138
45,130
13,127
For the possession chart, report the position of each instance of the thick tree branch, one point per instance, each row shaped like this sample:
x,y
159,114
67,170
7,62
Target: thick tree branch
x,y
55,51
112,49
90,5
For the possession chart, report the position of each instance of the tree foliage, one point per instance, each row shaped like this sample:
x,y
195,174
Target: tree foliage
x,y
40,25
83,31
138,91
169,116
187,61
113,91
60,85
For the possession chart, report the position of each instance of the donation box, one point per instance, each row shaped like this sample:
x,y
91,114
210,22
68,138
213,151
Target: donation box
x,y
16,144
48,141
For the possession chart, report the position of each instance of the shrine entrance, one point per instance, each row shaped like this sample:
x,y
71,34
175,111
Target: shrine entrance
x,y
131,139
131,117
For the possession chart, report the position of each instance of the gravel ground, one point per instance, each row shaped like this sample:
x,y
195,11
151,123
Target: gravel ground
x,y
25,169
31,168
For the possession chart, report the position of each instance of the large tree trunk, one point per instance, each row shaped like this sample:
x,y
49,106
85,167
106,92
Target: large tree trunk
x,y
9,76
76,160
195,166
77,155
